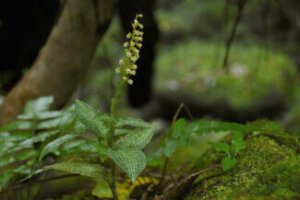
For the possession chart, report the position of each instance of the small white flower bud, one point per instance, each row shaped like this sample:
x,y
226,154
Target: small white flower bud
x,y
134,59
141,26
136,50
139,39
126,44
118,69
139,45
124,78
128,71
122,62
134,67
132,43
139,33
132,72
130,82
128,54
128,36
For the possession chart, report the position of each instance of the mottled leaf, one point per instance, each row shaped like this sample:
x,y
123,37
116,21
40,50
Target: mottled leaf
x,y
131,161
131,122
53,146
82,168
92,118
137,138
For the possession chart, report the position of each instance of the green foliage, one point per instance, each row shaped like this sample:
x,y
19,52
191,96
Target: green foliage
x,y
36,133
183,133
192,68
82,168
137,139
228,163
39,132
95,120
60,134
126,152
132,161
237,145
53,146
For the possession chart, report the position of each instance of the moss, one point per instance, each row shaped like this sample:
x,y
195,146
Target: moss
x,y
267,169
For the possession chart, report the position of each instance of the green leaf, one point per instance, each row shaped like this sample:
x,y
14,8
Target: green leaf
x,y
131,161
23,169
5,146
79,127
207,126
40,137
67,118
82,168
53,146
221,147
131,122
84,146
40,115
122,131
49,124
6,161
18,125
38,105
26,154
19,136
228,163
170,146
179,128
137,138
238,141
6,176
92,118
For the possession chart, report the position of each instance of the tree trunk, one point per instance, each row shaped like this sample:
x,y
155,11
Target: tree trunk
x,y
65,58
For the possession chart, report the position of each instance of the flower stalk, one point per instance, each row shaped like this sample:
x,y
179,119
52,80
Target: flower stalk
x,y
126,69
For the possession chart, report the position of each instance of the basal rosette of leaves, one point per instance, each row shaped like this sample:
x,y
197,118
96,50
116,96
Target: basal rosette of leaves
x,y
38,133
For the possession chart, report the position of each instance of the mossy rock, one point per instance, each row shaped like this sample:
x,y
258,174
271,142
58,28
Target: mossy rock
x,y
194,67
269,168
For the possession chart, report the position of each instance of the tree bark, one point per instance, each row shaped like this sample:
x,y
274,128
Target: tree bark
x,y
65,58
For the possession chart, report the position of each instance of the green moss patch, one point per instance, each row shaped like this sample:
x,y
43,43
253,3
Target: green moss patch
x,y
267,169
195,68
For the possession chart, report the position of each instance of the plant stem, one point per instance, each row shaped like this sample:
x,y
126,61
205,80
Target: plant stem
x,y
175,117
110,141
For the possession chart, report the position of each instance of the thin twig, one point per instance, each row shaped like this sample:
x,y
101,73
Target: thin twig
x,y
164,172
241,6
179,109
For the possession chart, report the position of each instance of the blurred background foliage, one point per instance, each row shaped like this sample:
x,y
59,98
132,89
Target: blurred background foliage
x,y
262,61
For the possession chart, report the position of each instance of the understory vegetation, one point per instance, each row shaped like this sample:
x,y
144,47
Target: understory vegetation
x,y
210,131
